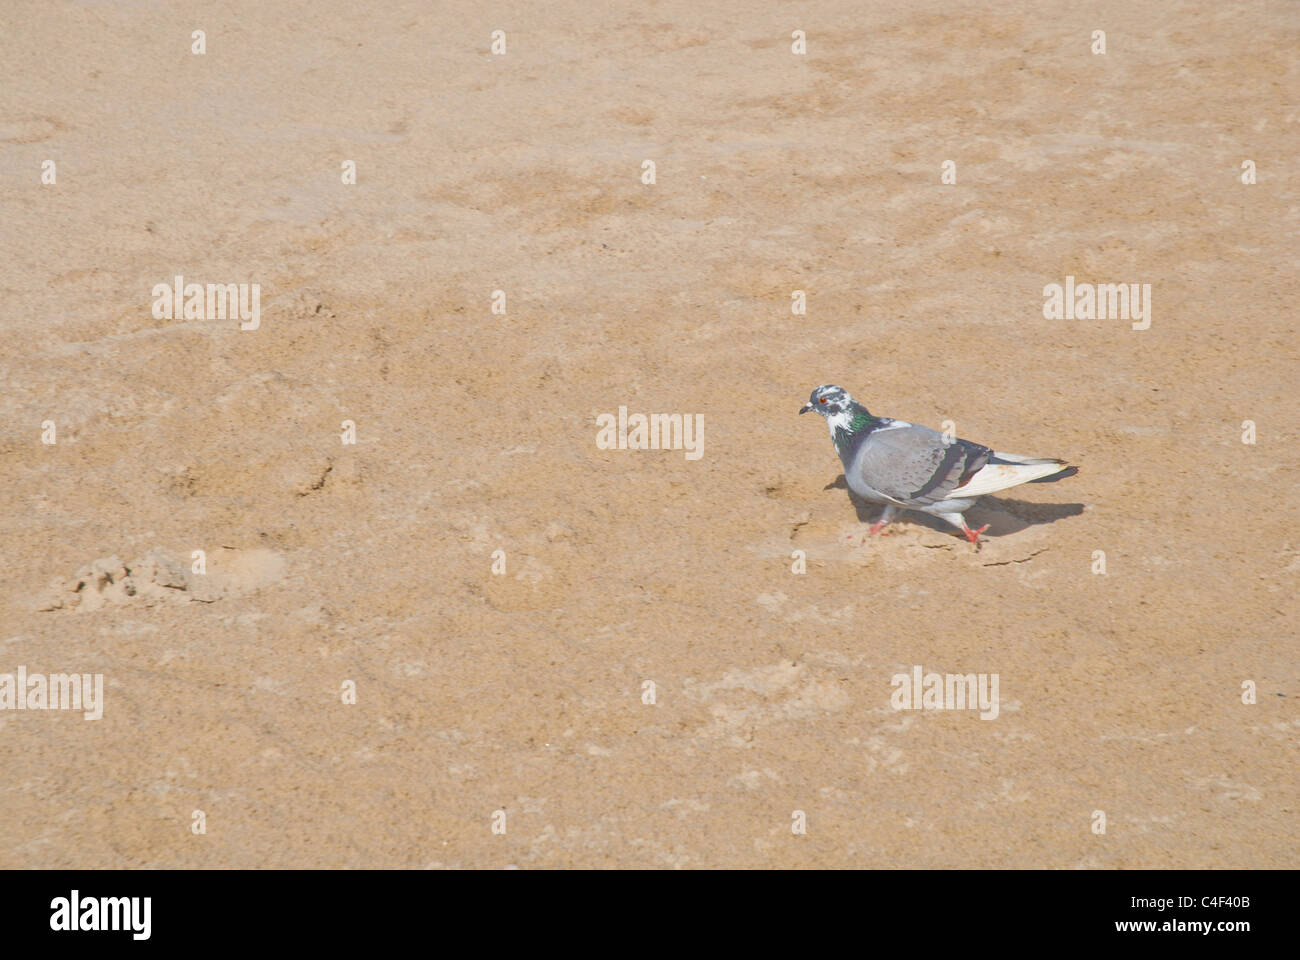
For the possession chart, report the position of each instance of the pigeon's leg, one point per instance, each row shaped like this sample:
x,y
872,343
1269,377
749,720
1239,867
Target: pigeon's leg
x,y
958,521
886,516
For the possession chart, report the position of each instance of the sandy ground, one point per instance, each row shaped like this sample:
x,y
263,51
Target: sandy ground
x,y
372,563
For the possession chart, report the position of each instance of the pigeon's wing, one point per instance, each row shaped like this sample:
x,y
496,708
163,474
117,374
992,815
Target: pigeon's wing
x,y
1009,470
916,466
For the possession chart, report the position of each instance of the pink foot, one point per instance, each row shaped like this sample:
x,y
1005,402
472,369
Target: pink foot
x,y
974,535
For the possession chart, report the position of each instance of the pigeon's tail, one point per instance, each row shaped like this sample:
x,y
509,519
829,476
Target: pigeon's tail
x,y
1008,470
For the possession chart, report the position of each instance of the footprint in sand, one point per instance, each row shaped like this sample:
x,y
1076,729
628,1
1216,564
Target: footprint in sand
x,y
159,577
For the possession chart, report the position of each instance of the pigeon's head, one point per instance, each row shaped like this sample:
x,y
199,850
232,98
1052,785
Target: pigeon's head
x,y
828,400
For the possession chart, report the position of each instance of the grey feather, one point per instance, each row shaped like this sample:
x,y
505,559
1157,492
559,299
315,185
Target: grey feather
x,y
909,465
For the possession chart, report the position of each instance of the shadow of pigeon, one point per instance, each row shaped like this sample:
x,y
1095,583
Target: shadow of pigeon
x,y
1007,516
1004,516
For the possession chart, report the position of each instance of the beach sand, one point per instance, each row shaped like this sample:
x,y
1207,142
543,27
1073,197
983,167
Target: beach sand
x,y
333,566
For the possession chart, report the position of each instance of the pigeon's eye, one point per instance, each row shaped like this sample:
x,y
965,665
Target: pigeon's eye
x,y
822,400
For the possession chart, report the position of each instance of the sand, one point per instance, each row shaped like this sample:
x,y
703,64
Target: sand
x,y
368,566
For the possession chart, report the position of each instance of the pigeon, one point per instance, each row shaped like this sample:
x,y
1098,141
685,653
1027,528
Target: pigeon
x,y
908,467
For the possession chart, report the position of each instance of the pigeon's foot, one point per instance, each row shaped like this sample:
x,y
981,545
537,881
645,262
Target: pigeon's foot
x,y
886,516
874,529
957,520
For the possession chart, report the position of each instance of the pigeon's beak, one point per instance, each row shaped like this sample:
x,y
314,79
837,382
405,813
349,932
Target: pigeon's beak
x,y
806,407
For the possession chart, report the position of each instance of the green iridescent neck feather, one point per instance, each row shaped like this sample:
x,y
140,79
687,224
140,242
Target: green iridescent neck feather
x,y
850,423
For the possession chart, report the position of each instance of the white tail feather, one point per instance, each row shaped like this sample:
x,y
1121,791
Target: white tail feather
x,y
993,477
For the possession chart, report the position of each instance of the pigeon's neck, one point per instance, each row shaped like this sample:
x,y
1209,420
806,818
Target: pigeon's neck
x,y
848,425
